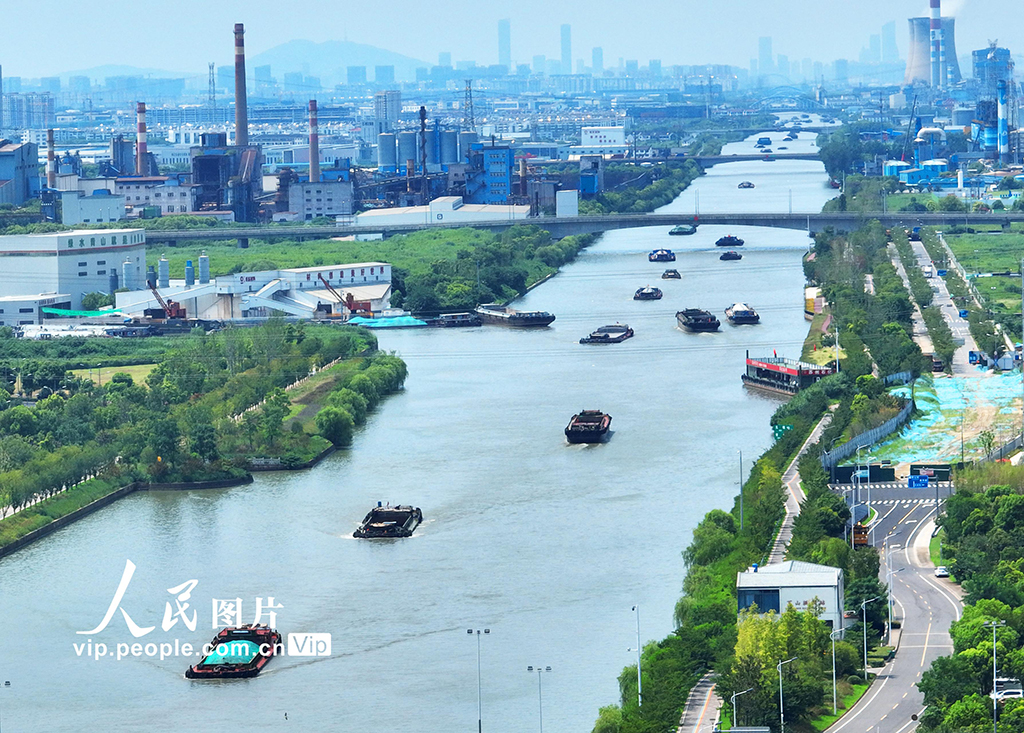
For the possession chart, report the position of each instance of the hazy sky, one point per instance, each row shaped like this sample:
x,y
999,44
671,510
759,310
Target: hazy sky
x,y
49,36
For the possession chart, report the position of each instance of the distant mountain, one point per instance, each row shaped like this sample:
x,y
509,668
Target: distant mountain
x,y
329,60
98,73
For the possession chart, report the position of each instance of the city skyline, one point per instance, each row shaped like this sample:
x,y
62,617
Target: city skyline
x,y
686,38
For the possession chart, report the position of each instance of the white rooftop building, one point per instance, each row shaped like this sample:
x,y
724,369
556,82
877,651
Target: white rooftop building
x,y
306,292
774,587
74,262
442,210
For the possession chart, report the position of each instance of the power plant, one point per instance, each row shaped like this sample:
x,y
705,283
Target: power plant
x,y
931,57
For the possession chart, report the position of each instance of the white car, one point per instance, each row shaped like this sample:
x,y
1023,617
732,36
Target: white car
x,y
942,572
1008,695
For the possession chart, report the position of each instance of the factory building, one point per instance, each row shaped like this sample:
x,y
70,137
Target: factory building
x,y
310,199
27,310
166,192
95,208
19,172
773,587
306,292
75,262
489,176
991,66
920,65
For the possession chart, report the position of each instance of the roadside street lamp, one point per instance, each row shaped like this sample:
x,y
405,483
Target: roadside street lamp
x,y
864,614
890,572
995,674
835,699
782,711
540,692
638,650
732,699
479,698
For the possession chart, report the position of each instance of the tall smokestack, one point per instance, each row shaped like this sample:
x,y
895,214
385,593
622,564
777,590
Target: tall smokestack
x,y
935,42
51,160
241,104
1002,125
141,164
314,144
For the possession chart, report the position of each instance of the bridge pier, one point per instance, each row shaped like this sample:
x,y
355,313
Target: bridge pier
x,y
243,243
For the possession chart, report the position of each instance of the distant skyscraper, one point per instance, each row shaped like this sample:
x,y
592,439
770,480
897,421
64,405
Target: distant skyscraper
x,y
505,43
355,75
807,70
841,71
875,49
597,60
890,54
540,64
384,74
444,58
819,72
654,66
765,63
782,64
632,67
566,49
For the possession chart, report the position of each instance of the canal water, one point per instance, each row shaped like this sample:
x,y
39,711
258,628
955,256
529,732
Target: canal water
x,y
545,544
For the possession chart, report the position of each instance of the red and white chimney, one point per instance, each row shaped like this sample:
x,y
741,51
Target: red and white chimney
x,y
141,164
51,161
314,144
935,42
241,101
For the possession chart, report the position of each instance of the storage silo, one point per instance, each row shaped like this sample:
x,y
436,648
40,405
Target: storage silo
x,y
190,274
387,158
127,281
466,138
204,268
163,273
112,280
449,147
432,145
407,146
151,277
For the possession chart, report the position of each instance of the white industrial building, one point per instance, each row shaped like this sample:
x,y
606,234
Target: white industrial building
x,y
443,210
773,587
167,193
306,292
27,310
101,206
597,137
309,200
74,262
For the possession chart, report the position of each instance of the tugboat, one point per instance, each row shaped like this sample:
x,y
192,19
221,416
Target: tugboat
x,y
647,293
671,275
589,426
697,320
614,334
237,652
662,255
729,241
498,315
683,229
389,521
731,255
740,313
455,320
745,184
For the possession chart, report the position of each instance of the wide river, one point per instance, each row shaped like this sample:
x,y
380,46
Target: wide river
x,y
545,544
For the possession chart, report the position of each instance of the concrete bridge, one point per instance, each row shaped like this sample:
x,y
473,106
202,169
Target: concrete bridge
x,y
706,161
565,226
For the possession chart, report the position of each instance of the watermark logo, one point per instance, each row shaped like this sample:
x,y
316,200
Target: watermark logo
x,y
309,645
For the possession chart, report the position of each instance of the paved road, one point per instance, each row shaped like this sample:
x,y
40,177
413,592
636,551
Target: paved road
x,y
925,606
959,326
701,711
920,331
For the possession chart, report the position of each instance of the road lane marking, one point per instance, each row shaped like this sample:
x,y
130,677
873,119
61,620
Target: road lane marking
x,y
925,652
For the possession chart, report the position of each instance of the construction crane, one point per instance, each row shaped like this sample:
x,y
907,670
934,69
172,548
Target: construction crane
x,y
171,309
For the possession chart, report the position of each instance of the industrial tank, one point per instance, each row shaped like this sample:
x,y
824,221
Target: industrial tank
x,y
449,147
407,146
466,138
127,281
387,159
432,143
190,274
163,273
204,268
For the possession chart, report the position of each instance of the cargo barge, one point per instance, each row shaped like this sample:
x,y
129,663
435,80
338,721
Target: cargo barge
x,y
729,241
731,255
662,255
386,522
781,375
697,320
501,316
613,334
589,426
683,230
671,275
455,320
237,653
741,313
647,293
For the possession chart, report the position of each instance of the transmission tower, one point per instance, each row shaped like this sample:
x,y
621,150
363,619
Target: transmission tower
x,y
470,120
212,94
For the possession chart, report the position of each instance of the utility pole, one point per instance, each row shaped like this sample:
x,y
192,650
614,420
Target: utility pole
x,y
639,649
995,674
212,94
469,119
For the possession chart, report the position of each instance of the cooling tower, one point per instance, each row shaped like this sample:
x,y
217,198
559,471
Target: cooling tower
x,y
919,55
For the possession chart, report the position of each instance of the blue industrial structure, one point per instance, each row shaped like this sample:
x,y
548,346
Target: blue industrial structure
x,y
489,178
19,172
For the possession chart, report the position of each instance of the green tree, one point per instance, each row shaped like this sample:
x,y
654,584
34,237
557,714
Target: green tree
x,y
335,424
272,415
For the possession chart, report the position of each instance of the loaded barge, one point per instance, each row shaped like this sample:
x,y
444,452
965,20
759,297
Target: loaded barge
x,y
237,653
614,334
697,320
501,316
589,426
389,522
781,375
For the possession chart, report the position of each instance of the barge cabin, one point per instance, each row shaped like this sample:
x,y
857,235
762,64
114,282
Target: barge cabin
x,y
782,375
